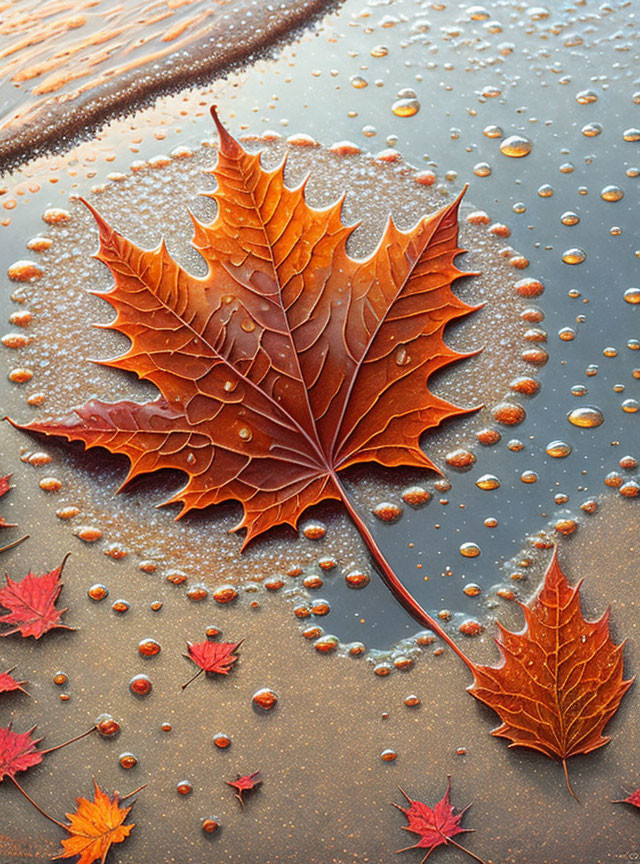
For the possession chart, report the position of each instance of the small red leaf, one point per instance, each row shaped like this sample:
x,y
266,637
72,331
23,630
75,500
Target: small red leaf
x,y
633,799
214,657
435,826
5,485
17,751
31,603
245,783
9,684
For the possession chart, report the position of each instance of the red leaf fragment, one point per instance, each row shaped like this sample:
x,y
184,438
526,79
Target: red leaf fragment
x,y
31,603
245,783
8,683
5,485
212,657
633,799
435,826
17,751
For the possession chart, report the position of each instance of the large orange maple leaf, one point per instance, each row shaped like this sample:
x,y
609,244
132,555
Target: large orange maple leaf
x,y
288,361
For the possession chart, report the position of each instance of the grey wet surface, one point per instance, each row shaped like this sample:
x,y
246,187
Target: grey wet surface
x,y
319,751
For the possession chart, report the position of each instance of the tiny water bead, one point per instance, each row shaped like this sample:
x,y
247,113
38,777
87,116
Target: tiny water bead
x,y
197,593
529,477
98,592
265,699
184,787
516,146
586,417
357,579
314,530
406,107
140,685
612,193
209,825
469,550
575,255
416,496
127,761
120,607
570,218
60,679
509,413
630,406
387,512
106,725
221,741
25,271
389,755
462,459
558,449
149,647
225,594
412,701
632,295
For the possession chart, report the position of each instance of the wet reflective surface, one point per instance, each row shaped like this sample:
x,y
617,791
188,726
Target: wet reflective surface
x,y
553,450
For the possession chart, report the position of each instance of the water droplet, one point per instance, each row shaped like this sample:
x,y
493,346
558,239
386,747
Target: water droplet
x,y
24,271
265,699
314,530
149,647
98,592
389,755
416,496
630,406
461,459
245,433
472,590
221,741
612,193
225,594
587,417
184,787
558,449
586,97
509,413
356,578
209,825
591,130
127,761
358,82
387,512
575,255
107,726
120,607
569,218
405,107
140,685
529,477
469,550
516,146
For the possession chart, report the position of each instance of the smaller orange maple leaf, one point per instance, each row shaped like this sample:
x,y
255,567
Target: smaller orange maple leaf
x,y
95,826
559,680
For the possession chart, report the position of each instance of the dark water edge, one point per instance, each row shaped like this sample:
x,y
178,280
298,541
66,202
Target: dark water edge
x,y
64,124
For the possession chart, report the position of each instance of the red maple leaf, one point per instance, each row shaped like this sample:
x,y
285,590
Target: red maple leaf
x,y
633,799
17,752
245,783
9,684
435,826
214,657
4,484
31,603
